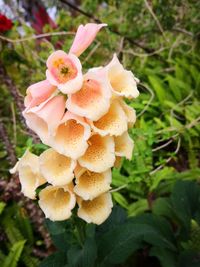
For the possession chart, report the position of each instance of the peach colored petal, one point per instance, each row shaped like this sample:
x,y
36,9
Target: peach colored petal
x,y
91,184
130,113
29,174
93,100
96,210
56,168
123,82
38,93
118,162
85,35
114,122
100,155
65,71
124,146
71,136
45,118
57,202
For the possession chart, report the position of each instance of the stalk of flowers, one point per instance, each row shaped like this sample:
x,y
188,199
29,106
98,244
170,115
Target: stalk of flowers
x,y
84,119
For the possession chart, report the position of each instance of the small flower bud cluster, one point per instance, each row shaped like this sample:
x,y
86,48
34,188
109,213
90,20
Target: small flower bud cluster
x,y
84,120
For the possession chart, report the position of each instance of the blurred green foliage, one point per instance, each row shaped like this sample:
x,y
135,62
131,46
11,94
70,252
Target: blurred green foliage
x,y
155,188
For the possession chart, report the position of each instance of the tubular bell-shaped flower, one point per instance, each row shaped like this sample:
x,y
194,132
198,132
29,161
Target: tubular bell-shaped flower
x,y
90,185
65,71
114,122
123,82
100,155
29,174
93,100
130,113
71,136
96,210
44,119
57,202
56,168
85,35
124,146
38,93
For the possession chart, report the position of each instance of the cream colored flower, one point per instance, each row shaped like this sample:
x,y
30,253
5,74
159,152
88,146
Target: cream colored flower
x,y
114,122
56,168
124,146
57,202
130,113
29,174
71,136
123,82
100,155
93,100
91,184
96,210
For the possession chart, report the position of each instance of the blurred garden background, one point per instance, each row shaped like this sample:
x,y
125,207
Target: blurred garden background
x,y
156,218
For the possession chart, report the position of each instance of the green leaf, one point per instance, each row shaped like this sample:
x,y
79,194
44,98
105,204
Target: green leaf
x,y
2,206
115,246
58,259
166,257
185,200
162,207
85,255
158,88
138,207
120,199
60,233
189,258
14,254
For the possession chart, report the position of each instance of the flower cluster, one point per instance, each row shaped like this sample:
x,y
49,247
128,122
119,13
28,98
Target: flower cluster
x,y
84,120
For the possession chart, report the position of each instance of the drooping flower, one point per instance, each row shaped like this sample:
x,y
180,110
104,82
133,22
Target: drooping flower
x,y
71,136
100,155
56,168
114,122
93,99
96,210
38,93
122,81
64,71
85,35
130,113
29,174
124,146
57,202
90,185
44,119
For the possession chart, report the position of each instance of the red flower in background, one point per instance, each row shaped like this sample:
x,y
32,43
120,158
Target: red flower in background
x,y
5,23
